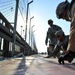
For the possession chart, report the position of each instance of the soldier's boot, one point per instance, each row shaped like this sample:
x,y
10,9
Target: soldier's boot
x,y
70,60
71,57
61,60
68,57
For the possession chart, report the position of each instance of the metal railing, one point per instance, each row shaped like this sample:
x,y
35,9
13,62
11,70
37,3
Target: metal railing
x,y
6,33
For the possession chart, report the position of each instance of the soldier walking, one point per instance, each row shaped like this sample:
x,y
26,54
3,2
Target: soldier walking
x,y
51,34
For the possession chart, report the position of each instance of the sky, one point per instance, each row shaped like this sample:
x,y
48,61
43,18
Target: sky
x,y
43,10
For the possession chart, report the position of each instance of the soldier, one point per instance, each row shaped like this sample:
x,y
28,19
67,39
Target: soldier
x,y
62,42
66,10
51,34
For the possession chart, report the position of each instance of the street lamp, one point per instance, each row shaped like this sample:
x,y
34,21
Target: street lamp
x,y
33,41
30,28
27,19
26,22
32,34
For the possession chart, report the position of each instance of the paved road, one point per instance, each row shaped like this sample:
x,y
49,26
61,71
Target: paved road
x,y
35,65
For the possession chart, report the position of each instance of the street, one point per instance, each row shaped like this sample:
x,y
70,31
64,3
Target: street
x,y
35,65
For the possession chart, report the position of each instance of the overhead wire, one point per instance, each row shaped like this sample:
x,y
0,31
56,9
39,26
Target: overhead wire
x,y
24,4
7,8
5,1
22,15
22,9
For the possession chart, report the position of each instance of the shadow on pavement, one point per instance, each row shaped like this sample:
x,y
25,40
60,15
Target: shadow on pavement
x,y
70,66
49,60
21,67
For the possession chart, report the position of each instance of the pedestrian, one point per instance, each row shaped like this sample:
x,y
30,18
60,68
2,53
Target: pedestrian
x,y
62,42
66,10
51,34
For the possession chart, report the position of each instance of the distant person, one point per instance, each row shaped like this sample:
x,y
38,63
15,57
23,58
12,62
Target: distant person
x,y
51,34
66,10
61,45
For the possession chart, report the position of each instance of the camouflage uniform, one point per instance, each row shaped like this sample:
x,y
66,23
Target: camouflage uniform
x,y
60,46
51,36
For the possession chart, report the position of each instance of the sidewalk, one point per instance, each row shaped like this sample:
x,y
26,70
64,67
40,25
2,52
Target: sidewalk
x,y
15,66
35,65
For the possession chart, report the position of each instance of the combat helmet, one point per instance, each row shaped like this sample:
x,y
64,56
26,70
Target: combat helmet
x,y
61,7
59,32
50,21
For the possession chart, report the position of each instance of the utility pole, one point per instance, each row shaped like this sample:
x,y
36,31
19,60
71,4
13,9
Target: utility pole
x,y
15,25
27,19
26,23
32,35
30,29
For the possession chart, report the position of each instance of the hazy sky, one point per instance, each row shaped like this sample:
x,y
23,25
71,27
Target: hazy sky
x,y
42,11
